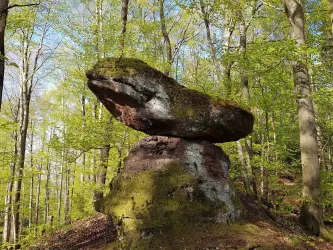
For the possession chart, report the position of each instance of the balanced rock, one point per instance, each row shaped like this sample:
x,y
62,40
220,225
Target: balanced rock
x,y
145,99
170,189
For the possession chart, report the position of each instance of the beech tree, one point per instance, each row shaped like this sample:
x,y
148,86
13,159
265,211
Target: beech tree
x,y
311,211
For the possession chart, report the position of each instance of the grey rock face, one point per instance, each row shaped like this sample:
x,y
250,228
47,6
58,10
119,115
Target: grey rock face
x,y
145,99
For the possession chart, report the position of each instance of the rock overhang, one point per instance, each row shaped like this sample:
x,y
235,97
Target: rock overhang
x,y
145,99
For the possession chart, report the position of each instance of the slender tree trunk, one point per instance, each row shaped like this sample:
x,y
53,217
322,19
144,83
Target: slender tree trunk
x,y
61,187
311,211
166,38
47,193
47,188
100,176
102,171
67,196
242,44
331,10
8,204
31,194
120,149
228,30
7,227
24,122
98,13
208,35
330,163
3,21
216,63
124,13
246,97
83,115
39,179
243,168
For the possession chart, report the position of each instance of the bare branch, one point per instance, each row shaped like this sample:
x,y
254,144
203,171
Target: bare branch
x,y
19,5
272,6
253,15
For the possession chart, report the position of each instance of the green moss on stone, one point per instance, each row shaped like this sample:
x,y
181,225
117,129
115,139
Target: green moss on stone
x,y
158,202
117,67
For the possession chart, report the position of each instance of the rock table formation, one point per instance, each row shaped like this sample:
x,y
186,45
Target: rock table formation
x,y
145,99
174,186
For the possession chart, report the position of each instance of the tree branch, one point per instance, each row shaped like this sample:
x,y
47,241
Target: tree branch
x,y
272,6
19,5
253,14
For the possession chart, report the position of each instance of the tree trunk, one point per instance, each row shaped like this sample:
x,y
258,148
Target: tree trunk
x,y
47,180
39,178
228,30
246,98
66,196
60,188
311,212
8,212
102,171
243,168
26,86
166,38
7,227
124,13
216,64
83,115
242,44
31,194
331,10
208,35
3,21
330,163
120,149
47,193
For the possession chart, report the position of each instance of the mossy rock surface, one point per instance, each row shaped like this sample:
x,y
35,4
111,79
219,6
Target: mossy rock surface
x,y
145,99
169,187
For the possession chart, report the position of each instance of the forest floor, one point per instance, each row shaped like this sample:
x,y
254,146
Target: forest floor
x,y
261,230
90,233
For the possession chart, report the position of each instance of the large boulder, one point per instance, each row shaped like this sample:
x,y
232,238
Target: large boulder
x,y
145,99
170,189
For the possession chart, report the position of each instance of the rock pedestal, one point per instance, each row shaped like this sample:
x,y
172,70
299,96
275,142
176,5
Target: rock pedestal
x,y
174,187
169,186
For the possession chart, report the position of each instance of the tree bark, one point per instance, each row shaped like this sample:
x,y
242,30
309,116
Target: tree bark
x,y
7,227
102,171
242,44
47,193
39,179
67,195
124,13
59,205
311,212
166,38
246,98
208,34
3,21
25,97
31,194
331,10
243,168
228,30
